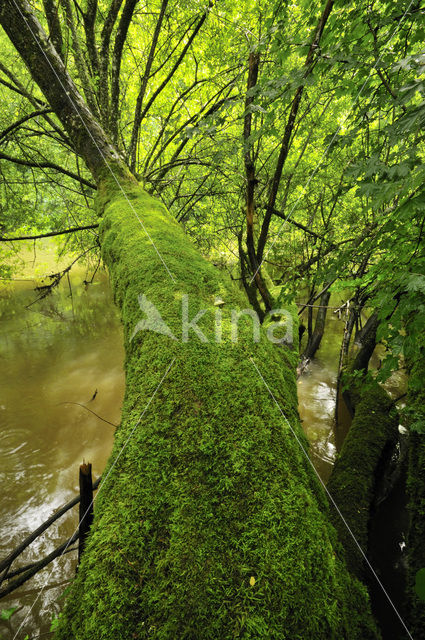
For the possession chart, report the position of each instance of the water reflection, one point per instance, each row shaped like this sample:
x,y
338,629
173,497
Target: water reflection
x,y
316,398
58,350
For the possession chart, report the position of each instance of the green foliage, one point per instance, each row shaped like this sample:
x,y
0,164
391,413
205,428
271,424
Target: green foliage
x,y
55,622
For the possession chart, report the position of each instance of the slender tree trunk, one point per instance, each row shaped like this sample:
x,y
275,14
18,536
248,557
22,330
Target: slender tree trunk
x,y
365,341
316,336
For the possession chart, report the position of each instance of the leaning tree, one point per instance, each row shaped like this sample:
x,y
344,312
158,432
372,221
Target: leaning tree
x,y
210,522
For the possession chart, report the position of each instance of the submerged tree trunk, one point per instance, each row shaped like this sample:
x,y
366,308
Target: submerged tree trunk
x,y
209,521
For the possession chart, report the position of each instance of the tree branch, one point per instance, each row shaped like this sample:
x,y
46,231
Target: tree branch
x,y
51,9
47,165
37,566
50,234
105,38
143,86
80,61
178,62
89,18
4,564
17,124
120,39
284,149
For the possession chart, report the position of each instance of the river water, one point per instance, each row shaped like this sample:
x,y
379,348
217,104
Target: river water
x,y
55,352
62,352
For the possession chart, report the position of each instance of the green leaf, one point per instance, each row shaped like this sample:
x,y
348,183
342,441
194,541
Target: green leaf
x,y
416,282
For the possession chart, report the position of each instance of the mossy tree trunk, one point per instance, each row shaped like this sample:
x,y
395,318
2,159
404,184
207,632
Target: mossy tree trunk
x,y
209,522
416,494
357,471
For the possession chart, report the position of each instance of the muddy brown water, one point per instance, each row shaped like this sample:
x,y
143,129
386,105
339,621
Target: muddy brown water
x,y
55,355
57,352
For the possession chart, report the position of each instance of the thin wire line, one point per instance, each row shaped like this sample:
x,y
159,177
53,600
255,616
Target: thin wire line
x,y
332,500
100,488
325,153
74,106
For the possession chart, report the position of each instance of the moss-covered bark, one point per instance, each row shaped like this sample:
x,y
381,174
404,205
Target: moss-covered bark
x,y
211,523
352,484
416,496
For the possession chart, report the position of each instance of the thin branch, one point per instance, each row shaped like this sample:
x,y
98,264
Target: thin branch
x,y
37,566
18,123
301,226
83,406
49,234
105,37
143,86
284,149
178,61
4,564
120,39
47,165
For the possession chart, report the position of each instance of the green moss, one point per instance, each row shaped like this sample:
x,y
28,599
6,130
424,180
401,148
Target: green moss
x,y
211,489
416,497
352,484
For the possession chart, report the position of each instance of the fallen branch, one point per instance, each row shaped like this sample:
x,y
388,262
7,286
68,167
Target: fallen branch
x,y
5,564
18,572
37,566
93,412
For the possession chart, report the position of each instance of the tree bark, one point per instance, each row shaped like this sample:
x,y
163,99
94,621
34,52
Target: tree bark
x,y
49,72
366,450
416,493
85,508
315,339
365,340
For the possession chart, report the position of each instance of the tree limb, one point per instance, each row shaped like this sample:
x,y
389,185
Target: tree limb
x,y
4,564
143,86
47,165
51,9
49,234
284,149
120,39
17,124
